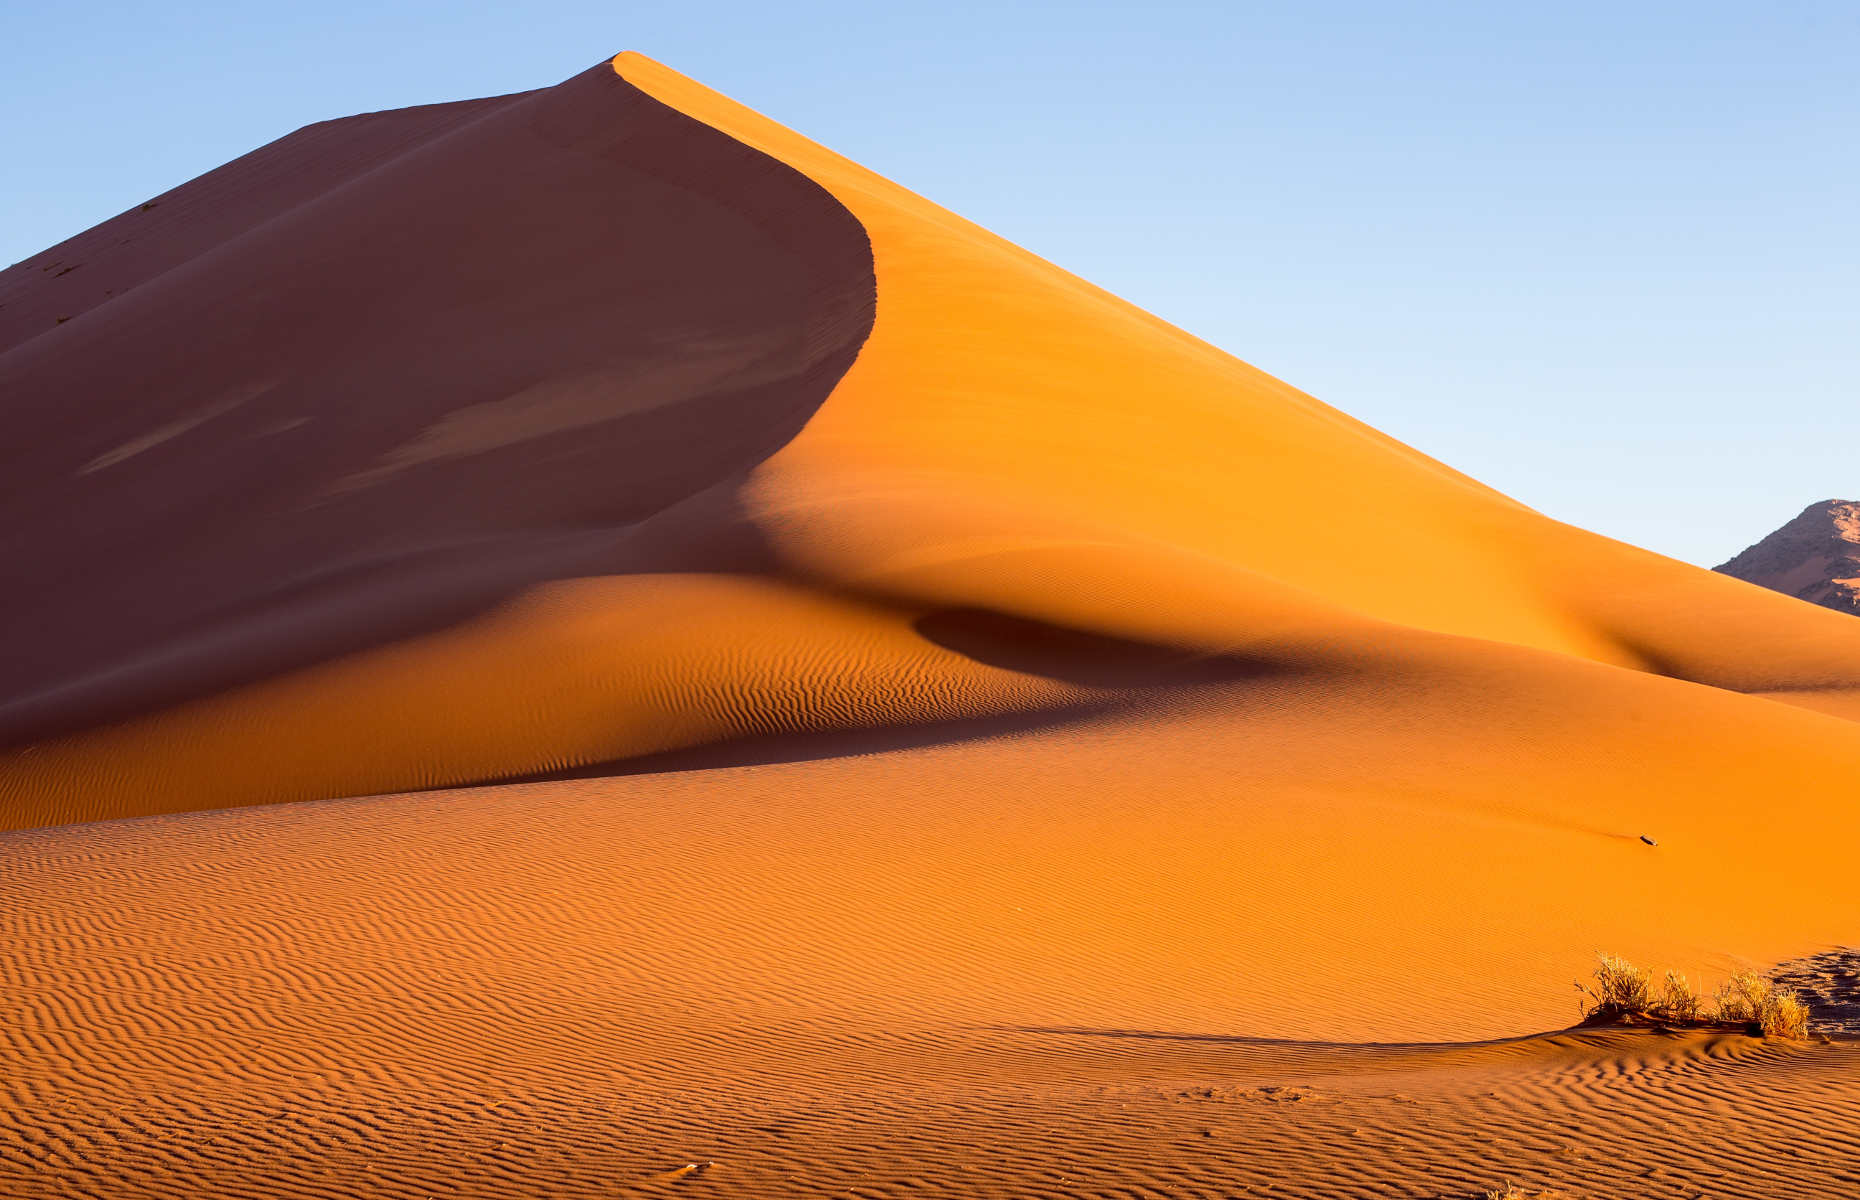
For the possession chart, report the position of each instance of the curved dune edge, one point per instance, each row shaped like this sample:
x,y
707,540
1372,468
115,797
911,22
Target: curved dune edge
x,y
1066,401
573,673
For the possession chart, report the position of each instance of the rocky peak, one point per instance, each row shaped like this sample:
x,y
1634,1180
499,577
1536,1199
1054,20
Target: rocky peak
x,y
1815,557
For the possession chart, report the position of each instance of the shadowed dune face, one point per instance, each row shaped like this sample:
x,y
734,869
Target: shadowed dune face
x,y
111,259
1036,648
465,350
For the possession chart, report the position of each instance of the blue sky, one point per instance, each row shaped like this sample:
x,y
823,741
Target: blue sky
x,y
1601,256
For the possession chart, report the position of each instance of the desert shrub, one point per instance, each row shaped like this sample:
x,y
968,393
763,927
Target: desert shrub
x,y
1786,1015
1740,998
1511,1191
1678,1002
1623,992
1621,989
1749,999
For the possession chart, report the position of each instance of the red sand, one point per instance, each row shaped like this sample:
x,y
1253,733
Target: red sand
x,y
1006,763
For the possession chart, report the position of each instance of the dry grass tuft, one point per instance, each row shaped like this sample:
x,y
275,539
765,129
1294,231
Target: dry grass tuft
x,y
1620,990
1749,999
1624,992
1678,1002
1511,1191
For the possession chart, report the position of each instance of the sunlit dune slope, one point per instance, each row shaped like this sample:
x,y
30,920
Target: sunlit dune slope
x,y
568,434
1068,415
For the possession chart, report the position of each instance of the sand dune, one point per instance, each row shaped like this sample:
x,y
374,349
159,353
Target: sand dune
x,y
435,395
928,703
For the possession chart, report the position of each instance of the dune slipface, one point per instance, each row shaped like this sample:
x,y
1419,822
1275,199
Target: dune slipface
x,y
485,356
931,726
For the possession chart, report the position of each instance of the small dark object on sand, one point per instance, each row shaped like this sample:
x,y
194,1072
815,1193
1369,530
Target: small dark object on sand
x,y
1648,840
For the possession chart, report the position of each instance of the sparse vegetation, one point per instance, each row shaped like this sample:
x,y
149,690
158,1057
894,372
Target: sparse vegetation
x,y
1511,1191
1678,1002
1622,991
1749,999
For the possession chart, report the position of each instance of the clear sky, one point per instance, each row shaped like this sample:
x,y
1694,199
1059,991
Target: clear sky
x,y
1602,256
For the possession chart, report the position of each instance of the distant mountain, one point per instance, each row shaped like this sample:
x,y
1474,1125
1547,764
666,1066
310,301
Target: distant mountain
x,y
1815,557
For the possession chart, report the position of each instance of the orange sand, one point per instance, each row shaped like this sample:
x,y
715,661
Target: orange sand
x,y
1062,679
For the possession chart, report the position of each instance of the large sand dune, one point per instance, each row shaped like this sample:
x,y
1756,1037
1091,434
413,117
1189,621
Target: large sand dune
x,y
930,703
